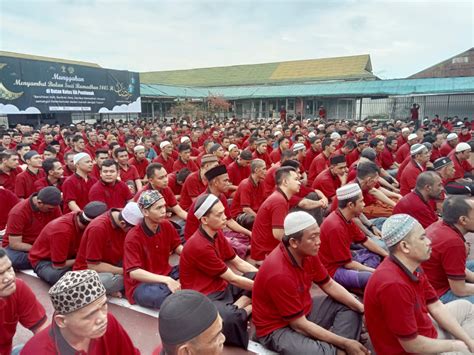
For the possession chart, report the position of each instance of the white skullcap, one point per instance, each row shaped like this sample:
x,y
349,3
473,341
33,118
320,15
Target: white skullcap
x,y
360,129
348,191
79,156
398,122
168,129
405,129
417,148
396,228
132,214
277,133
311,134
297,221
298,146
184,139
164,144
138,147
461,147
335,135
412,136
232,146
278,126
320,126
451,137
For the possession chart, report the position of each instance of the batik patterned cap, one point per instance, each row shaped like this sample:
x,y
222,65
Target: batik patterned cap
x,y
396,228
75,290
148,198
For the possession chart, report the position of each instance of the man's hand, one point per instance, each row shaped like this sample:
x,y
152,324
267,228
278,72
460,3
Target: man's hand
x,y
173,285
343,178
376,232
460,346
353,347
470,345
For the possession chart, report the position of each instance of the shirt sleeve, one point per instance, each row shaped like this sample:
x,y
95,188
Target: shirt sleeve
x,y
15,223
132,256
453,261
245,196
60,247
319,274
31,313
69,192
278,214
339,245
95,245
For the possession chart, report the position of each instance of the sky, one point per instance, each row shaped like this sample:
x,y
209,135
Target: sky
x,y
402,37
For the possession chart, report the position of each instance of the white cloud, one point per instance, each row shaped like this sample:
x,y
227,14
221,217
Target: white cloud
x,y
12,109
402,37
135,106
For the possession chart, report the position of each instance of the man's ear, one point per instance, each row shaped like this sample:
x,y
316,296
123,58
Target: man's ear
x,y
60,320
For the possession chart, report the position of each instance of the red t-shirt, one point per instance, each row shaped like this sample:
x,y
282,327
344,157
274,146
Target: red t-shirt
x,y
148,250
308,159
167,194
202,262
319,163
460,167
8,180
448,256
269,184
337,234
50,341
265,157
409,176
271,215
167,164
25,183
44,182
20,307
192,223
395,303
26,220
75,188
179,164
193,186
275,155
327,183
237,173
248,194
140,166
58,241
173,184
445,149
387,158
435,154
114,196
414,205
282,289
9,200
95,172
402,153
131,174
102,242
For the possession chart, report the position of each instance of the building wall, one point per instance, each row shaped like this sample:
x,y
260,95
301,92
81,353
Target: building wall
x,y
458,66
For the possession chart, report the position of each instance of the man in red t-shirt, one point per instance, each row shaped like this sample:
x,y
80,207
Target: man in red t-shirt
x,y
109,189
148,276
139,161
204,268
285,315
54,172
448,270
420,156
402,311
25,222
9,200
451,142
54,251
128,173
9,169
239,169
25,181
165,157
80,308
261,152
18,304
101,247
321,162
184,160
332,178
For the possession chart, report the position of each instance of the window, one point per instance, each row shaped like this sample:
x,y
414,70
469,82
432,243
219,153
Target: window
x,y
460,60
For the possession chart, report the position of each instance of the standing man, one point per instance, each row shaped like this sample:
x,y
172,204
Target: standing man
x,y
25,222
338,232
287,319
25,181
54,251
76,187
268,226
101,247
448,270
415,114
18,305
148,276
204,268
402,312
81,323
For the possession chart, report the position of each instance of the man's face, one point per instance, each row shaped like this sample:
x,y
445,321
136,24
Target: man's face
x,y
436,189
100,137
262,148
27,140
244,163
310,242
285,144
7,277
85,164
293,182
167,149
465,155
424,156
99,159
35,161
12,162
140,154
226,143
80,145
7,140
359,206
418,244
157,212
160,179
17,138
260,173
109,174
89,322
222,183
92,137
317,145
130,144
379,147
122,158
340,169
70,162
35,136
393,145
332,147
58,170
449,171
234,153
220,153
439,140
216,219
468,221
47,154
185,155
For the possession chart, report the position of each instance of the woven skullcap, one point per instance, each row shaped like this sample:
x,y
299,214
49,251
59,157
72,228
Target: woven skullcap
x,y
168,129
261,141
405,129
298,146
277,133
396,228
416,148
412,136
215,172
208,158
138,147
79,156
75,290
30,154
348,191
297,221
441,163
461,147
148,198
335,135
320,126
164,144
311,134
337,159
50,195
451,136
203,204
132,214
232,146
360,129
184,315
184,139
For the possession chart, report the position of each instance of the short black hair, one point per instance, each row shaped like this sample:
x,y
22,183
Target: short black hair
x,y
48,164
150,169
101,151
183,147
108,163
282,173
344,203
455,207
326,143
366,169
119,150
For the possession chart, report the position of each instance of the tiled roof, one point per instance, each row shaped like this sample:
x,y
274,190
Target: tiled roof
x,y
47,59
339,68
